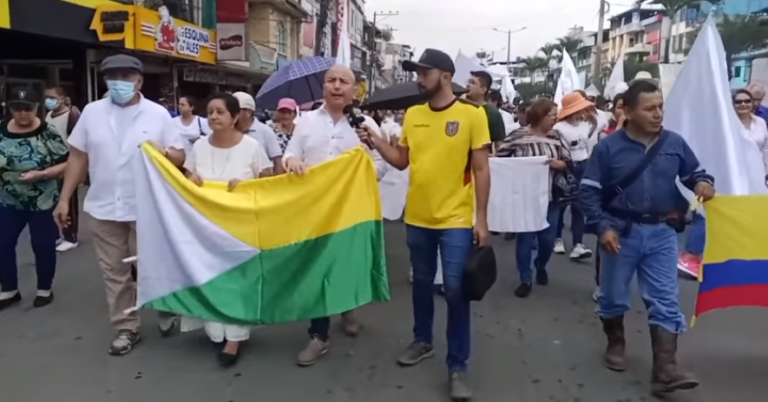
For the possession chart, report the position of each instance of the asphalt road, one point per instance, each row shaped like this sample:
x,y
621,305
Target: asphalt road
x,y
542,349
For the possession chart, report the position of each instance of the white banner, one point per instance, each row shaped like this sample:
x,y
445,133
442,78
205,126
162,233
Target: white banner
x,y
519,194
231,42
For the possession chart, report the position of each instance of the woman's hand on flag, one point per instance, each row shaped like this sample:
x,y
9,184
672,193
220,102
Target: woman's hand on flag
x,y
194,178
232,184
294,165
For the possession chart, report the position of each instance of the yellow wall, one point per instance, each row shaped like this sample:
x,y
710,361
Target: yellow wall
x,y
5,14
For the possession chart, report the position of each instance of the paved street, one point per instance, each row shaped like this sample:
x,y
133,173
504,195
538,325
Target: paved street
x,y
542,349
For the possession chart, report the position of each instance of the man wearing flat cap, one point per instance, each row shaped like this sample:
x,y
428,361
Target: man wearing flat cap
x,y
103,144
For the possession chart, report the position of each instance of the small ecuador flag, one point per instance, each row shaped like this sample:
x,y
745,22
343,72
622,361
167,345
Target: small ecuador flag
x,y
273,250
735,271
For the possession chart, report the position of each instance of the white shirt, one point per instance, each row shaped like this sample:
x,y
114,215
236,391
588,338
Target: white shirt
x,y
316,139
60,122
266,137
758,132
509,121
243,161
196,129
390,128
111,136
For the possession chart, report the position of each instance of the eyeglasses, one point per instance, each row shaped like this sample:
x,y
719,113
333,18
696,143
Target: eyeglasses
x,y
742,102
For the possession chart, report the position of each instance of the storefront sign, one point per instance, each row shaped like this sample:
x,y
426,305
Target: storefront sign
x,y
114,22
231,42
158,32
208,76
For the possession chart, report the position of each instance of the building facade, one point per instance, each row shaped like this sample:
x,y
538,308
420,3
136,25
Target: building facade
x,y
627,33
65,44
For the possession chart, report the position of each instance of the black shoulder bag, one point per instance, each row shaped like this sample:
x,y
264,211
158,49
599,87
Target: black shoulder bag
x,y
615,189
200,126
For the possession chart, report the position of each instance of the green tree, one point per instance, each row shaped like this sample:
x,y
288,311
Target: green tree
x,y
533,64
549,51
740,34
671,8
528,92
567,44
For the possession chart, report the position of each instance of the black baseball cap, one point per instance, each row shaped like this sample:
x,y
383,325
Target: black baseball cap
x,y
23,95
431,58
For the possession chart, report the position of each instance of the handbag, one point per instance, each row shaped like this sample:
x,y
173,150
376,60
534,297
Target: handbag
x,y
614,190
479,273
565,186
200,126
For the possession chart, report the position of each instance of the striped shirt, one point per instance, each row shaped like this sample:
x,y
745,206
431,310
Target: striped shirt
x,y
521,143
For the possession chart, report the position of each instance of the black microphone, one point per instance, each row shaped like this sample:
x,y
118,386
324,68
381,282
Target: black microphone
x,y
356,119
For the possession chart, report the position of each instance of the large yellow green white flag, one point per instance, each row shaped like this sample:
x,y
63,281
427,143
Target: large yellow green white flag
x,y
273,250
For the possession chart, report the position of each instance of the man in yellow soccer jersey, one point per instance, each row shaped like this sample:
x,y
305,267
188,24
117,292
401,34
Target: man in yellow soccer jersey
x,y
446,142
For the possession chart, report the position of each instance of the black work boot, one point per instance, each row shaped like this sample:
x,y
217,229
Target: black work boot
x,y
666,376
613,358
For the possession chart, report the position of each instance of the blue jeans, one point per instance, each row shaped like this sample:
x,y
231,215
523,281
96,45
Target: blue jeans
x,y
542,241
578,220
697,236
651,252
43,234
456,246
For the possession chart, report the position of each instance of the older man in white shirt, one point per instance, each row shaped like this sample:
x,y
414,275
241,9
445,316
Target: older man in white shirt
x,y
104,143
319,136
258,130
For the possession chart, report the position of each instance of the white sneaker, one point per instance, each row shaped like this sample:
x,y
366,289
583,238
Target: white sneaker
x,y
65,246
596,294
559,247
580,252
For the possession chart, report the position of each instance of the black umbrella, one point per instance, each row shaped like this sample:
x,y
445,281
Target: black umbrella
x,y
400,96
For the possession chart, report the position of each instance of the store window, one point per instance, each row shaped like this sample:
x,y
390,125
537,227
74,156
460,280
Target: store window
x,y
282,38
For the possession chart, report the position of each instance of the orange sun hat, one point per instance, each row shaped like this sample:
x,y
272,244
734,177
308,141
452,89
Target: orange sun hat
x,y
573,103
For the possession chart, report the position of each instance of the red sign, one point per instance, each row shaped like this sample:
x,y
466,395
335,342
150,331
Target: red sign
x,y
231,10
231,42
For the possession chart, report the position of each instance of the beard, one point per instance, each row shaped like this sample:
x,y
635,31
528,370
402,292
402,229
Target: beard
x,y
429,93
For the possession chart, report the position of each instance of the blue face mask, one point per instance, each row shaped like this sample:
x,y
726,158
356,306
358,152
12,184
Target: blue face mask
x,y
51,103
121,92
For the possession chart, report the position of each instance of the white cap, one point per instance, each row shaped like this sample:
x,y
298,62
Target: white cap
x,y
246,100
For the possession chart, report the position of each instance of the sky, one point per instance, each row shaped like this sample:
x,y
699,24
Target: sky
x,y
467,25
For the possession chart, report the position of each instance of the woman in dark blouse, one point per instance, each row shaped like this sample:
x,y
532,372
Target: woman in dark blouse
x,y
32,157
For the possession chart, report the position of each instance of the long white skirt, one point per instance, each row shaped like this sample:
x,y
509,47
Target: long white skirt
x,y
438,274
216,331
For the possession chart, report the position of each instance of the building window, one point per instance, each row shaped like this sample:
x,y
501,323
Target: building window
x,y
282,38
737,72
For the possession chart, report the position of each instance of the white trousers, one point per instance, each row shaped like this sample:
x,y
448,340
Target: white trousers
x,y
216,331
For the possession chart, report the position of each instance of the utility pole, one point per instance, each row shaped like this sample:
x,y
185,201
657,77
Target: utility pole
x,y
372,46
320,25
596,64
509,33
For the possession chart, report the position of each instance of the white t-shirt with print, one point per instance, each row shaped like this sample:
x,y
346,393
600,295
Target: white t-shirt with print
x,y
576,138
60,122
243,161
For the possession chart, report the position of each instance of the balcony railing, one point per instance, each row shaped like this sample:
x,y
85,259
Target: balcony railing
x,y
197,12
630,27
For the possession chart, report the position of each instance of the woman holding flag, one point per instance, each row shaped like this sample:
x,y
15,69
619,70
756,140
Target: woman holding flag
x,y
227,156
